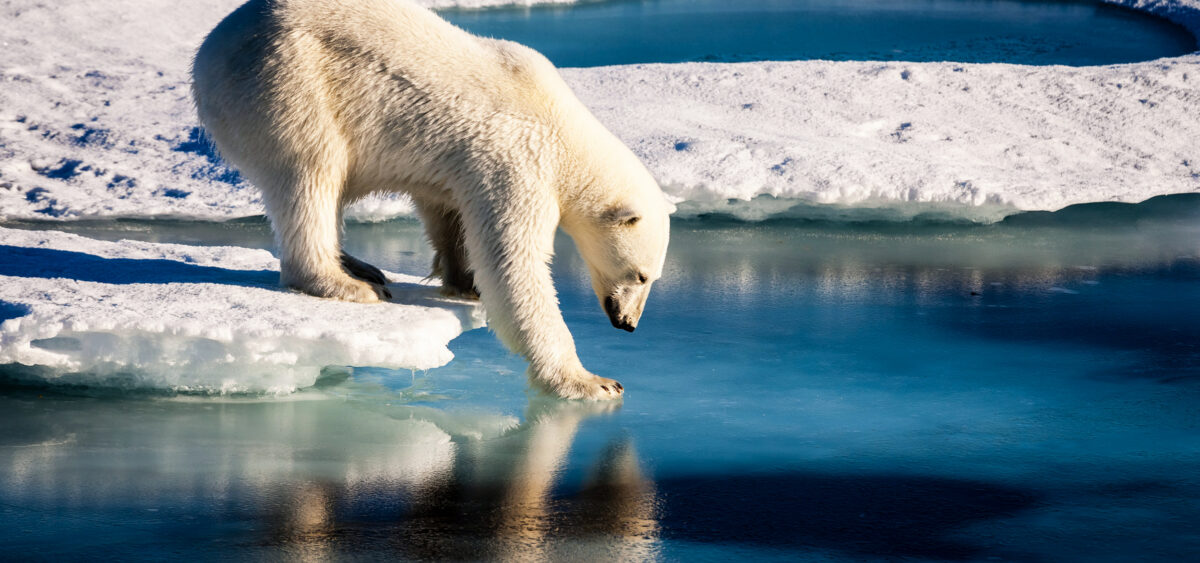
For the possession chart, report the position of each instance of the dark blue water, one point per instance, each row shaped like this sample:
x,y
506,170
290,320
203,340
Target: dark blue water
x,y
1037,32
796,391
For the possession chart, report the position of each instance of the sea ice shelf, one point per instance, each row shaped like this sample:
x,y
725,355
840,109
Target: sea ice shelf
x,y
189,318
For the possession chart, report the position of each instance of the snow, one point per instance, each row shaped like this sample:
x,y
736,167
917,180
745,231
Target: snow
x,y
202,319
96,121
979,141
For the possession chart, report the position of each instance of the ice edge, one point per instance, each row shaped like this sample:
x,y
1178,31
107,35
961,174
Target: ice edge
x,y
140,315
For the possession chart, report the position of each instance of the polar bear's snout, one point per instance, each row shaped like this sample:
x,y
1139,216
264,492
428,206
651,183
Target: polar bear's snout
x,y
624,306
623,322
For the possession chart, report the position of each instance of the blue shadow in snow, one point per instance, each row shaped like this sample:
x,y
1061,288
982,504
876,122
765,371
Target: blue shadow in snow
x,y
18,261
199,143
49,263
12,310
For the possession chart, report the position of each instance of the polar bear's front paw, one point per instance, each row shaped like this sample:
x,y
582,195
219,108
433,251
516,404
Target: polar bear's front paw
x,y
585,386
603,388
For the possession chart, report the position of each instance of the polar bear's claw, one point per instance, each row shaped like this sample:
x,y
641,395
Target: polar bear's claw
x,y
363,270
370,274
579,385
603,389
593,388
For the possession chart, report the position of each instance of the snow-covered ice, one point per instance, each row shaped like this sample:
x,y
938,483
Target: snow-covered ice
x,y
96,121
209,319
979,141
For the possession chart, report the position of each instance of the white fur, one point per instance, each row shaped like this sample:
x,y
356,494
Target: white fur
x,y
321,102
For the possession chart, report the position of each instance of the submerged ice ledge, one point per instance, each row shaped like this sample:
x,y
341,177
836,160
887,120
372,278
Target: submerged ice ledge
x,y
112,133
204,319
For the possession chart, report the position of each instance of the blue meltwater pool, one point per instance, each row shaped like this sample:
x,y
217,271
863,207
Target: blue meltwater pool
x,y
796,391
1038,32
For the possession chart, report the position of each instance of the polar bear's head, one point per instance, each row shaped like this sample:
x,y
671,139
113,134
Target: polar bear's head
x,y
625,245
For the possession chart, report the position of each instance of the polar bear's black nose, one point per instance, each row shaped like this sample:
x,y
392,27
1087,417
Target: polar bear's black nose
x,y
614,315
623,325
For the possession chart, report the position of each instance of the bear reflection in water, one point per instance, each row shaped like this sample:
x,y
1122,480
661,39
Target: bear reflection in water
x,y
496,503
320,479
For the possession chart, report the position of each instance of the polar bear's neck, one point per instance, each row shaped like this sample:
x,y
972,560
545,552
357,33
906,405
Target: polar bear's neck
x,y
596,173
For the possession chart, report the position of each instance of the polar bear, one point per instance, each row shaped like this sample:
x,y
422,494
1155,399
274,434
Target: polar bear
x,y
322,102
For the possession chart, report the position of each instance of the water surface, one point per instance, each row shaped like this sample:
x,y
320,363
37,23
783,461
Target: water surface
x,y
796,391
1037,32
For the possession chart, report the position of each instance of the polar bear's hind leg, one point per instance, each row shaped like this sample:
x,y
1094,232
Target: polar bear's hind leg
x,y
444,228
305,215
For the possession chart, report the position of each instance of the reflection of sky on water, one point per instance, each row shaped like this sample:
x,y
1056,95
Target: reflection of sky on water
x,y
796,390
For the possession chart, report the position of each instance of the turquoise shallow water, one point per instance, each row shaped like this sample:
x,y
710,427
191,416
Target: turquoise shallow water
x,y
796,391
1038,32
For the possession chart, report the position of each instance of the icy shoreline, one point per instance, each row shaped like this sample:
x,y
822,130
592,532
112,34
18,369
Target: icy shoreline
x,y
96,121
201,319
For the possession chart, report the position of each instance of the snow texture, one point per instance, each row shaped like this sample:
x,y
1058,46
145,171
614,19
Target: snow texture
x,y
203,319
96,121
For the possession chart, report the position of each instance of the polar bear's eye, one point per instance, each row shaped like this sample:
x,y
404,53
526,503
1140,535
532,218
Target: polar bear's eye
x,y
642,277
622,215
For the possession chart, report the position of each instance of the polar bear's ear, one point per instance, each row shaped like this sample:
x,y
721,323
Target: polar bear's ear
x,y
622,215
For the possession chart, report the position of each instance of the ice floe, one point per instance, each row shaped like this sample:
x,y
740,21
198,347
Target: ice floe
x,y
190,318
96,121
979,141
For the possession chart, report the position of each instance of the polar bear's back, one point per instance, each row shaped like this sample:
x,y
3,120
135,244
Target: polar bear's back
x,y
275,41
344,82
